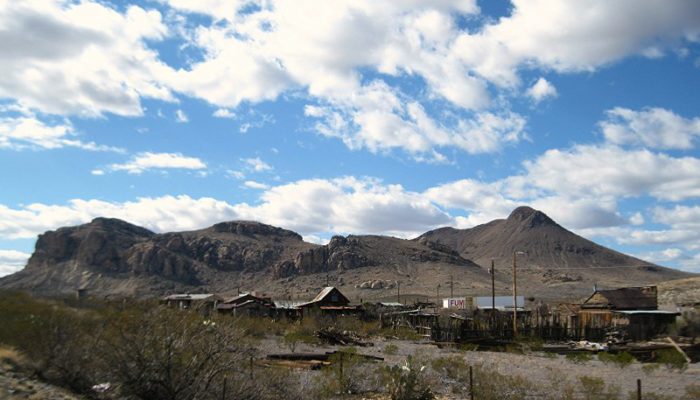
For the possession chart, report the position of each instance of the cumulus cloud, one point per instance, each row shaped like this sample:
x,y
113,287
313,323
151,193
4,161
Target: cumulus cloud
x,y
88,59
541,90
160,214
311,207
587,170
584,35
224,113
347,205
378,118
80,58
24,132
255,185
12,261
656,128
148,161
256,164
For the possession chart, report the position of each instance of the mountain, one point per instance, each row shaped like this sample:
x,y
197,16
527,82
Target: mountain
x,y
545,243
110,257
114,257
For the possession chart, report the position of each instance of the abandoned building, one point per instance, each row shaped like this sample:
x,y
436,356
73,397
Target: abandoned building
x,y
632,310
204,303
329,301
249,304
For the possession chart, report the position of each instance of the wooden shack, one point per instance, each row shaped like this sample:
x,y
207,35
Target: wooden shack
x,y
329,301
204,303
249,304
633,311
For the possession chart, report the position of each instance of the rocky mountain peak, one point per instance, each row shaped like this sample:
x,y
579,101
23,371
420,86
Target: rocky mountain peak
x,y
529,217
250,228
117,225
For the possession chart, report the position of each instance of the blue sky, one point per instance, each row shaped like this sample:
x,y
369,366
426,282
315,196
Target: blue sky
x,y
361,116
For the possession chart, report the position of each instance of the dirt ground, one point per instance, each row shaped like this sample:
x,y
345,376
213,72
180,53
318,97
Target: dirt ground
x,y
544,370
16,386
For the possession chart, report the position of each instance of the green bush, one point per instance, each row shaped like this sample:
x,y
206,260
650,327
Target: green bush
x,y
391,349
347,374
621,359
407,382
594,388
671,358
579,357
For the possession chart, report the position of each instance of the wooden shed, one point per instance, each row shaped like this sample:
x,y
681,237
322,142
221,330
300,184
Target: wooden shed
x,y
248,304
633,311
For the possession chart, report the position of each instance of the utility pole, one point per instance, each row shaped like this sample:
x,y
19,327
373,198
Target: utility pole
x,y
515,296
452,294
398,291
493,288
438,295
515,300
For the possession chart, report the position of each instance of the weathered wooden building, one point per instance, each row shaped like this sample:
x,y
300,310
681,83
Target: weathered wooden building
x,y
204,303
632,311
329,301
249,304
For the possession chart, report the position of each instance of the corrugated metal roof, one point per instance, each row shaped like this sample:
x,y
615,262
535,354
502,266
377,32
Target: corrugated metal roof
x,y
647,312
629,298
485,302
391,304
190,296
288,304
323,293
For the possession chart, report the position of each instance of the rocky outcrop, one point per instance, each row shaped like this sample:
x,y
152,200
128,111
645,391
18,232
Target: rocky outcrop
x,y
119,249
339,254
101,244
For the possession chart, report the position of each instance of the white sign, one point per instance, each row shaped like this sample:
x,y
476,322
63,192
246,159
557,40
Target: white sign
x,y
455,302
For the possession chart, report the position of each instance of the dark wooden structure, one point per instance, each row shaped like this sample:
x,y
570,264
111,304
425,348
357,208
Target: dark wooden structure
x,y
329,301
204,303
248,304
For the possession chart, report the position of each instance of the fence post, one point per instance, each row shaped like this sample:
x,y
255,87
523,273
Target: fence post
x,y
639,389
223,393
471,383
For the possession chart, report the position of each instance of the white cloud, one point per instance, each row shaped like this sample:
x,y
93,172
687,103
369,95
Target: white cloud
x,y
583,35
160,214
652,127
12,261
235,174
147,161
541,90
181,117
80,58
97,172
224,113
23,132
378,118
256,164
346,205
612,171
255,185
310,207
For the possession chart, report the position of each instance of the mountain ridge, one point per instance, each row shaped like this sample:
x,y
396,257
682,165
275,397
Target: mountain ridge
x,y
117,258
